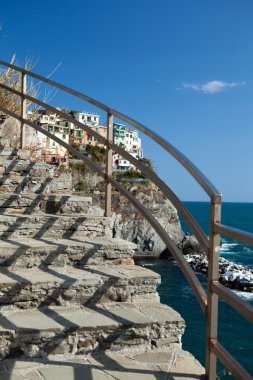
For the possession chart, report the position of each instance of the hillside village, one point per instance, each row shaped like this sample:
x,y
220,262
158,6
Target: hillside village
x,y
75,136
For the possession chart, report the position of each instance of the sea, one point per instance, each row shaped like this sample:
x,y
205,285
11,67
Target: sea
x,y
234,332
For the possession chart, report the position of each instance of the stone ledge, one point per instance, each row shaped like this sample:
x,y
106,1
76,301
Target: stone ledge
x,y
27,203
36,333
24,252
54,226
68,286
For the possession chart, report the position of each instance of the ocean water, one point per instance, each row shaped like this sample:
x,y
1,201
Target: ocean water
x,y
235,333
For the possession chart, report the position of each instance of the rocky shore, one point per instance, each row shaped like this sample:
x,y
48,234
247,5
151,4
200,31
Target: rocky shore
x,y
231,275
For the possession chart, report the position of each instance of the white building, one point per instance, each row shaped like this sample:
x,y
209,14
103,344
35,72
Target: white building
x,y
121,164
130,141
88,118
59,128
127,139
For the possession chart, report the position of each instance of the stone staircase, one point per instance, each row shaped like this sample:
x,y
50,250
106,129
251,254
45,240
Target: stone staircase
x,y
73,304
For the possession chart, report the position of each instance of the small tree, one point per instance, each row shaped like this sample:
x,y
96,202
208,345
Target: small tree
x,y
13,79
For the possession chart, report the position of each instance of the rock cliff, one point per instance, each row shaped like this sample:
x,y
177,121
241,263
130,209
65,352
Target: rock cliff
x,y
10,134
128,223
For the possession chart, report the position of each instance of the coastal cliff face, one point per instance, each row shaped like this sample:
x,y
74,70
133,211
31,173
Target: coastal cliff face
x,y
130,225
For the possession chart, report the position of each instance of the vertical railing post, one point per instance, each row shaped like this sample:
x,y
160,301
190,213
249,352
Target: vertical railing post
x,y
108,189
23,109
212,298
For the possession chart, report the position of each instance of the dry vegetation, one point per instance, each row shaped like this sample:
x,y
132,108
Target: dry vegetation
x,y
13,79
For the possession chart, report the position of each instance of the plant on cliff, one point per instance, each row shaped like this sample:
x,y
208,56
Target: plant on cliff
x,y
134,175
147,162
131,174
97,153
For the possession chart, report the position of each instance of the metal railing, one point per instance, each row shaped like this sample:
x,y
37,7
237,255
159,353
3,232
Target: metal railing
x,y
208,302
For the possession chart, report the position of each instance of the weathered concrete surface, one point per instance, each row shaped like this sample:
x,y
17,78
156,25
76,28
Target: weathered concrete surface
x,y
68,286
28,253
147,365
117,326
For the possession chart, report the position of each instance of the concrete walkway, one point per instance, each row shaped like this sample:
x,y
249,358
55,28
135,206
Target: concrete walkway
x,y
150,365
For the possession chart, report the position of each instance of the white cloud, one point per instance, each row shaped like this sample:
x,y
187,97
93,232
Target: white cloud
x,y
212,87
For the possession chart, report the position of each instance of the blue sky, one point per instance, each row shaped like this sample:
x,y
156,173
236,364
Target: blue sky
x,y
184,68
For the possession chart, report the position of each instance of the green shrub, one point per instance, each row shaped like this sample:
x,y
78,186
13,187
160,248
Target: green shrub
x,y
128,175
97,153
82,186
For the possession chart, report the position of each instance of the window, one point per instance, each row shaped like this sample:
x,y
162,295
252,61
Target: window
x,y
78,133
64,137
82,117
95,118
131,136
53,143
104,130
127,135
96,129
88,118
90,137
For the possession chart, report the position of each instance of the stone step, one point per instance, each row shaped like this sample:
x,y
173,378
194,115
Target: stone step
x,y
64,330
68,286
28,253
55,226
27,184
21,167
24,176
9,154
148,365
27,203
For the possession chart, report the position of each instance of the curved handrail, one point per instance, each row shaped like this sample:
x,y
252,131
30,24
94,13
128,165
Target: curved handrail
x,y
189,219
185,267
204,182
